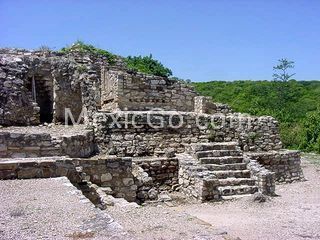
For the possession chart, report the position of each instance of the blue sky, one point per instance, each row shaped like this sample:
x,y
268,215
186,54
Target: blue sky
x,y
198,39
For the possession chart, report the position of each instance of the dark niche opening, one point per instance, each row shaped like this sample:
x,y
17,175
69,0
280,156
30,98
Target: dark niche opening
x,y
41,89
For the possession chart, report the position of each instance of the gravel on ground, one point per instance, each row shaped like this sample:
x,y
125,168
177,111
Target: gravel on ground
x,y
294,214
54,209
51,209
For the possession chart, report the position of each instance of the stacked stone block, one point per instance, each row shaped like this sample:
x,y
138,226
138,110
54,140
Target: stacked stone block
x,y
286,164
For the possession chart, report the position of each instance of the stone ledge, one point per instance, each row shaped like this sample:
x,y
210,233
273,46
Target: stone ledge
x,y
115,173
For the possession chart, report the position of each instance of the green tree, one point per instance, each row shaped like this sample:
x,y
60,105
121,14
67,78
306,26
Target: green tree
x,y
282,75
312,131
282,70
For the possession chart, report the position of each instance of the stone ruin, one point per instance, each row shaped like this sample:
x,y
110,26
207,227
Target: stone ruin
x,y
116,133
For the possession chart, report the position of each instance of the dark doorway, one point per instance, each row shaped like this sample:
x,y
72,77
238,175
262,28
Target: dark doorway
x,y
42,92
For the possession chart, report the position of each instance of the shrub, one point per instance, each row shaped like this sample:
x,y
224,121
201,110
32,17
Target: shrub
x,y
312,131
147,65
44,48
82,47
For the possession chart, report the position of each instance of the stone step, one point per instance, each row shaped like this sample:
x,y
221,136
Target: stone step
x,y
232,174
236,181
237,190
224,167
195,147
221,160
218,153
235,197
25,168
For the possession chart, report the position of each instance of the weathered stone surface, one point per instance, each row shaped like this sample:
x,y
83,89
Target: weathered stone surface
x,y
106,177
250,132
20,144
285,164
132,115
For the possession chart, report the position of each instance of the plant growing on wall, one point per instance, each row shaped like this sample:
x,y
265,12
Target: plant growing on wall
x,y
253,136
212,132
81,68
81,47
148,65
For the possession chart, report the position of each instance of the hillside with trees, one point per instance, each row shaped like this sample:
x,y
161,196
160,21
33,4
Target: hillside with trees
x,y
296,104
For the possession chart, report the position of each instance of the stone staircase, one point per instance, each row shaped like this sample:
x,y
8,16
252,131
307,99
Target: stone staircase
x,y
222,169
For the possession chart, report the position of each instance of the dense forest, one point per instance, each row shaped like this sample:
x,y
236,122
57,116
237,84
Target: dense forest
x,y
296,104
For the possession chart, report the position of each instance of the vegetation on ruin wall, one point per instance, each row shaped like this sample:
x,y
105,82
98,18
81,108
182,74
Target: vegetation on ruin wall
x,y
147,65
82,47
296,104
144,64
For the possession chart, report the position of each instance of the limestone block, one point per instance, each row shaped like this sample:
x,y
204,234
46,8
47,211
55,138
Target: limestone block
x,y
106,177
128,181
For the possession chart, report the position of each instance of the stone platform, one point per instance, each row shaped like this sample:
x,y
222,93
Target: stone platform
x,y
43,141
114,173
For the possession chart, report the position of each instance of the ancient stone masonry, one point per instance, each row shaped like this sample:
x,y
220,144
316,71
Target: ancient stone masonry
x,y
130,135
219,172
285,164
37,89
14,144
114,175
252,133
264,178
205,105
139,92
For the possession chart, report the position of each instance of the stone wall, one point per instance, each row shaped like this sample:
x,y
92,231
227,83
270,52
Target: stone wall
x,y
25,145
285,164
126,139
265,179
53,77
16,106
195,180
25,168
163,171
81,145
139,92
204,104
61,81
112,172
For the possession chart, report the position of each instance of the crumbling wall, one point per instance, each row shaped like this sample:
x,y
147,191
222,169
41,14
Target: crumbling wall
x,y
25,145
140,139
196,181
16,105
34,84
265,179
138,92
163,171
115,173
204,104
111,172
286,164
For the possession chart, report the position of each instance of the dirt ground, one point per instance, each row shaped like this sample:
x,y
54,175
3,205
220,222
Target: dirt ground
x,y
51,209
294,214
